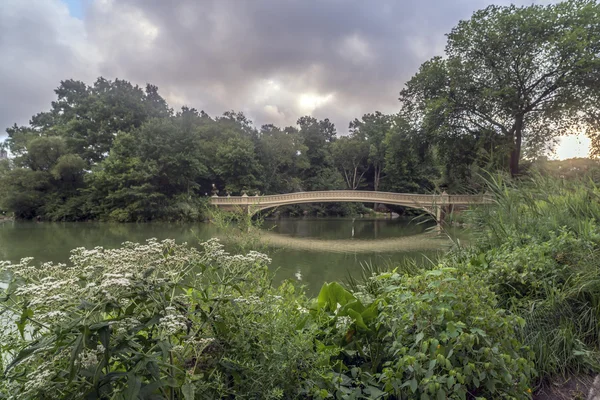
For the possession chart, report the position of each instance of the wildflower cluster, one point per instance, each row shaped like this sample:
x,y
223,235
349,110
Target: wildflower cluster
x,y
166,312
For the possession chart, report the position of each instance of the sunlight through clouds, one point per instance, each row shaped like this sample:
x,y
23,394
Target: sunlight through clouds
x,y
309,102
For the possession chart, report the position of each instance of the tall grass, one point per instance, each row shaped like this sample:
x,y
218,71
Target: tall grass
x,y
535,207
559,296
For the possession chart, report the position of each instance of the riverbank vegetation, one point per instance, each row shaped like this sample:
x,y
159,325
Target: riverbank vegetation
x,y
496,319
500,318
512,80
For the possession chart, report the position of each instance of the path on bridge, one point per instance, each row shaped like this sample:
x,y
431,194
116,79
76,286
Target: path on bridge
x,y
435,204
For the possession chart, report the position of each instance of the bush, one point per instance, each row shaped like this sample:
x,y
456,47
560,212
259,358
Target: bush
x,y
435,335
537,249
532,268
151,320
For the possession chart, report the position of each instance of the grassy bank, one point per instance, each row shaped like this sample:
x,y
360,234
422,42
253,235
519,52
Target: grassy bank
x,y
517,308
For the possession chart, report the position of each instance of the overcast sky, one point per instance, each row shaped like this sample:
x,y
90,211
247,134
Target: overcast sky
x,y
275,60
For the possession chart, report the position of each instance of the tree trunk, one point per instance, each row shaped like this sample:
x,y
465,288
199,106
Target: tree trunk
x,y
515,154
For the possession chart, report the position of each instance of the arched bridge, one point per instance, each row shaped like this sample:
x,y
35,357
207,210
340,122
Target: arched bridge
x,y
435,204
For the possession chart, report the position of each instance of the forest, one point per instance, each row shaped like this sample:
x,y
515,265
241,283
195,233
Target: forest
x,y
511,81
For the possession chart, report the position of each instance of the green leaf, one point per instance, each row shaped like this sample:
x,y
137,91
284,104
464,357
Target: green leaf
x,y
450,382
26,352
148,391
419,337
332,294
148,272
77,346
22,322
413,385
357,319
134,385
451,329
188,390
441,394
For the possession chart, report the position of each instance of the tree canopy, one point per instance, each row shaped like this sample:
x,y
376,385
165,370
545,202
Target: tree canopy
x,y
523,74
511,81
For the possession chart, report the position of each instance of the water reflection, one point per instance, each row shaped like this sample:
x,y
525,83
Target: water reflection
x,y
309,251
422,241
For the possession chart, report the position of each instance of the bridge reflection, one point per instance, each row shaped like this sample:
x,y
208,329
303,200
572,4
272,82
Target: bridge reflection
x,y
425,241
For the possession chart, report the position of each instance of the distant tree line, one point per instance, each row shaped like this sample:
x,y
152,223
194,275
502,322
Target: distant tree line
x,y
513,79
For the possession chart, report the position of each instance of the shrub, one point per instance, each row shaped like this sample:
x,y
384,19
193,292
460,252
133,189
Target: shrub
x,y
151,320
537,250
532,268
434,335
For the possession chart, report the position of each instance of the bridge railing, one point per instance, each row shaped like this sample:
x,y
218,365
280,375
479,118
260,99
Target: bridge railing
x,y
353,195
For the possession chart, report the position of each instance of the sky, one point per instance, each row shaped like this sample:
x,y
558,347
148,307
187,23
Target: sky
x,y
275,60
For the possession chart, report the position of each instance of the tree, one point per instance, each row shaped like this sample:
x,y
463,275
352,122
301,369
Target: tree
x,y
237,165
43,152
409,167
526,73
318,136
350,154
89,117
25,192
283,157
373,127
150,171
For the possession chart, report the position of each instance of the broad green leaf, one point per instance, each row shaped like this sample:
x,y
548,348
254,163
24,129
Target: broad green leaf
x,y
188,389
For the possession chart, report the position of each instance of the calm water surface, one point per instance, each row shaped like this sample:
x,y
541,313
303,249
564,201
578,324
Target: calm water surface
x,y
311,251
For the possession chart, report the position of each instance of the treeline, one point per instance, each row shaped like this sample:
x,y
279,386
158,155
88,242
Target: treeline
x,y
511,81
113,151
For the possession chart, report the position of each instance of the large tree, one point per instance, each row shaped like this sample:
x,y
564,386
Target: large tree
x,y
89,117
350,154
409,164
283,158
373,128
318,136
526,73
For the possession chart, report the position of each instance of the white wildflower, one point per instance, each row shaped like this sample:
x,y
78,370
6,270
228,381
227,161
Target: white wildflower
x,y
172,323
87,358
343,323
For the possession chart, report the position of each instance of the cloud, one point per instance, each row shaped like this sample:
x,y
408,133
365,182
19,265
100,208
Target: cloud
x,y
275,60
41,44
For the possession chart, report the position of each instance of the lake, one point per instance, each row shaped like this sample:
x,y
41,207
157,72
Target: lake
x,y
311,251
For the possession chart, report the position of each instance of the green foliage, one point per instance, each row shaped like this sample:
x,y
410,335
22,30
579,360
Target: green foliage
x,y
283,158
350,154
236,164
158,320
438,334
373,128
408,160
25,191
537,249
532,269
519,75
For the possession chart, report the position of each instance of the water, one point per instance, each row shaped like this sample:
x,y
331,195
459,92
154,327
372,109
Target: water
x,y
311,251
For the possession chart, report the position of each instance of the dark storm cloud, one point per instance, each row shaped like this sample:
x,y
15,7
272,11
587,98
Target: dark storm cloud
x,y
219,54
273,59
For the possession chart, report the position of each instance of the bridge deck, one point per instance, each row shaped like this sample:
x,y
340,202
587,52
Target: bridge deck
x,y
414,200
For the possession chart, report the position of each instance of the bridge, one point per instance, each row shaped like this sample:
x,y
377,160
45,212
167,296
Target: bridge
x,y
438,205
